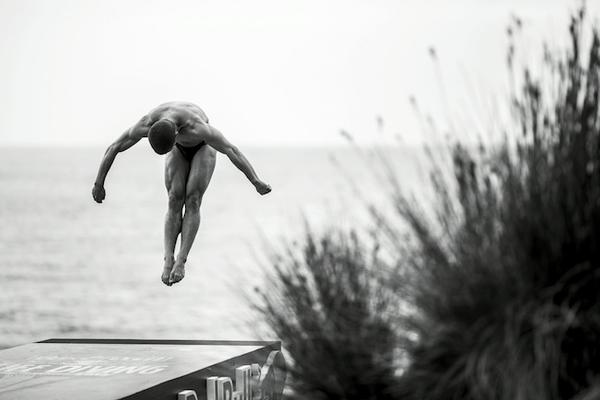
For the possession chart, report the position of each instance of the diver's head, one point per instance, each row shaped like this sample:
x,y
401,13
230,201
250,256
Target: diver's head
x,y
162,136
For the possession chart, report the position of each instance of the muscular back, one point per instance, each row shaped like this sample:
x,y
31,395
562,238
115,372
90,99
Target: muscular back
x,y
191,121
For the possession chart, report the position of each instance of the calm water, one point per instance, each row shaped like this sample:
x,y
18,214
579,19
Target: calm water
x,y
71,267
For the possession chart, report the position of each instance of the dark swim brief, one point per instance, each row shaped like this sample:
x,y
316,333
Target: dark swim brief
x,y
189,152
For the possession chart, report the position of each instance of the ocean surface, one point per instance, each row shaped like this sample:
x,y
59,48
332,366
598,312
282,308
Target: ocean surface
x,y
72,268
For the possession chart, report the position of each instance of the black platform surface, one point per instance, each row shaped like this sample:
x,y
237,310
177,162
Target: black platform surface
x,y
103,369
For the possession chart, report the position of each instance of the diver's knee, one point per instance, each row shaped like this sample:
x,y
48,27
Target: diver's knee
x,y
193,201
176,201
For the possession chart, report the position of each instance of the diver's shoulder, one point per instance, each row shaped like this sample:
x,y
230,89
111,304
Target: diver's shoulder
x,y
195,109
180,109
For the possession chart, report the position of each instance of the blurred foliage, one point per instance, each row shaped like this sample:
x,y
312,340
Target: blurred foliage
x,y
327,303
502,282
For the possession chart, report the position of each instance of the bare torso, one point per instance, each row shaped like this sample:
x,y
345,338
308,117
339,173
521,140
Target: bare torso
x,y
191,121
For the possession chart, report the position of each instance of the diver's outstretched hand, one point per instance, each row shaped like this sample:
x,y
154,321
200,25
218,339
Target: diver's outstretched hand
x,y
262,187
98,193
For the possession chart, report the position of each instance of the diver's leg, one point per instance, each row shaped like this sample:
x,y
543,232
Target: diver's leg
x,y
176,172
201,170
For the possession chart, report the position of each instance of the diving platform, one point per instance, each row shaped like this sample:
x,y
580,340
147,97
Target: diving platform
x,y
111,369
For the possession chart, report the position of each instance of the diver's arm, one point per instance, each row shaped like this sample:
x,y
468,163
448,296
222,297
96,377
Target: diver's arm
x,y
216,140
124,142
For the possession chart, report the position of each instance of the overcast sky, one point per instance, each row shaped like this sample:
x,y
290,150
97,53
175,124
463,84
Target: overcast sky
x,y
265,71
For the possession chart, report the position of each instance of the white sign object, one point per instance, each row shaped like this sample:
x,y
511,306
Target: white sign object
x,y
187,395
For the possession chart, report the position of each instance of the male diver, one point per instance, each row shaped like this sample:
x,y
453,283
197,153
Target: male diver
x,y
180,130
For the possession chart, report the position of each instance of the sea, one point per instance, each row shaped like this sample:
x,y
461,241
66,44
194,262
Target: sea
x,y
70,267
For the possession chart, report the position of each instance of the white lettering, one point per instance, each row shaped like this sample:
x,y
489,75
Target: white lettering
x,y
129,370
242,381
80,370
224,389
33,368
153,370
96,370
211,388
187,395
8,367
20,368
64,369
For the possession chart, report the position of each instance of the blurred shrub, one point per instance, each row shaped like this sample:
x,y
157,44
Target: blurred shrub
x,y
327,303
503,282
506,284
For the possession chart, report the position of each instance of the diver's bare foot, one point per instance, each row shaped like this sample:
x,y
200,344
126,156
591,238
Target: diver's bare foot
x,y
166,274
178,272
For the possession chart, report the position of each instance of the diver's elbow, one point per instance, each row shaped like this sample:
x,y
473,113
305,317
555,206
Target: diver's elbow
x,y
114,148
